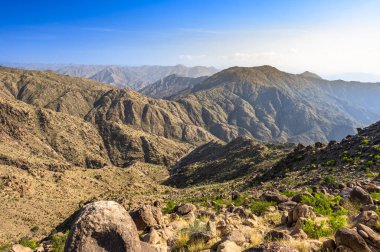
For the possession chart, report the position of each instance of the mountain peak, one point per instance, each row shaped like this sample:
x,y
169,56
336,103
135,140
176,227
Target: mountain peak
x,y
308,74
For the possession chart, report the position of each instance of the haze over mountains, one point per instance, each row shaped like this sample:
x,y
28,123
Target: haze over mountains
x,y
135,77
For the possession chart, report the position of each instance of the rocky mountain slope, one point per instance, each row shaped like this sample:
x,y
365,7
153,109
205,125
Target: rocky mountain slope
x,y
171,85
270,105
356,156
217,162
122,142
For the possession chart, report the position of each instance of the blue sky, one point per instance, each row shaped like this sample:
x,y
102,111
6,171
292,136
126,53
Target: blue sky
x,y
325,36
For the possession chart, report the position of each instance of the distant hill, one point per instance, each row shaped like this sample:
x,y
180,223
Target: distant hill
x,y
135,77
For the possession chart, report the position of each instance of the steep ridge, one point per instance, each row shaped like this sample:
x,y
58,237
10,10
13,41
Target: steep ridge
x,y
170,85
157,117
270,105
75,96
216,162
33,137
354,157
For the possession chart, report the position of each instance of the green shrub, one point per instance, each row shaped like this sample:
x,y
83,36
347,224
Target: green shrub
x,y
240,200
331,163
170,205
365,142
316,230
58,244
28,242
347,159
375,195
370,163
336,222
5,247
289,193
329,181
321,203
258,207
34,229
377,157
376,148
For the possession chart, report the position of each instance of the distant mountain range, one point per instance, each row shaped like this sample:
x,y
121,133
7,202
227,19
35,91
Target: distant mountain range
x,y
135,77
262,103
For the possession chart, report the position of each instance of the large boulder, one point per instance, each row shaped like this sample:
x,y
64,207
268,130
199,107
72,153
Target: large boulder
x,y
358,194
228,246
185,208
275,197
349,238
329,245
20,248
275,235
236,236
286,206
368,218
103,226
147,216
370,236
300,211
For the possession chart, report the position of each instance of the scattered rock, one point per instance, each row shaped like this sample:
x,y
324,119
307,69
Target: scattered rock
x,y
236,236
368,218
184,209
211,227
286,206
242,212
300,211
369,235
368,208
103,226
275,197
228,246
360,195
349,238
275,235
190,216
298,233
147,216
329,245
20,248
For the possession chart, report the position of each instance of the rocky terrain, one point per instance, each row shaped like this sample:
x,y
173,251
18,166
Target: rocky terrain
x,y
270,105
87,166
170,86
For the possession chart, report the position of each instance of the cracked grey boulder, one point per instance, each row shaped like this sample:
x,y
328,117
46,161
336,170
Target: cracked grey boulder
x,y
103,226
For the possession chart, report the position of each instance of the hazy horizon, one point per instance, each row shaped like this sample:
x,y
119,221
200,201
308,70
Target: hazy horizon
x,y
338,39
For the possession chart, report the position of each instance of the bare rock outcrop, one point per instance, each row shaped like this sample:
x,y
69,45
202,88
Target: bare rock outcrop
x,y
103,226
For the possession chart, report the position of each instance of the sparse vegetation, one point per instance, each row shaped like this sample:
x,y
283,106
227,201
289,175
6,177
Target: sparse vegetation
x,y
58,242
170,205
28,242
317,229
322,204
259,207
